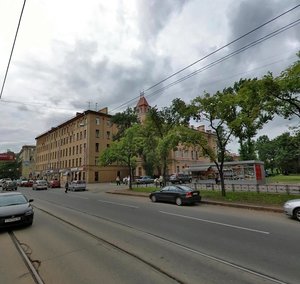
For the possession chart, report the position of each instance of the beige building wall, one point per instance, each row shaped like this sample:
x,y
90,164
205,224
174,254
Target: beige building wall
x,y
71,150
27,156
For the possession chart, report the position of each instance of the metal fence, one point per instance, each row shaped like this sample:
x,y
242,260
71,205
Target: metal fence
x,y
270,188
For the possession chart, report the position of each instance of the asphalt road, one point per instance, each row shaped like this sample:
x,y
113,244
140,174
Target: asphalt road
x,y
94,237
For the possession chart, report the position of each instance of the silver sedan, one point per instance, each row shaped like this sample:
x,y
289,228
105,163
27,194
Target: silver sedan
x,y
292,208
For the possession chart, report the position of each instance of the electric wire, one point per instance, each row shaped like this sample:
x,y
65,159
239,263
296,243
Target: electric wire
x,y
12,50
222,47
218,61
206,56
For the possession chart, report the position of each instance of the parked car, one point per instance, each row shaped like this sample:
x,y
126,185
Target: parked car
x,y
3,180
179,194
55,183
77,185
180,178
144,180
292,208
40,184
15,209
26,183
9,185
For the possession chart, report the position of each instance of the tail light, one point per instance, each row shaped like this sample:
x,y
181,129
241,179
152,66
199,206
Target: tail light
x,y
188,194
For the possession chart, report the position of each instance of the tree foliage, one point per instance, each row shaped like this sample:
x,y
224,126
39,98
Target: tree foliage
x,y
282,153
161,134
283,92
124,151
124,120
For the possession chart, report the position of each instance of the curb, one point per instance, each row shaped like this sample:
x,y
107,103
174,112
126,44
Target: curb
x,y
235,205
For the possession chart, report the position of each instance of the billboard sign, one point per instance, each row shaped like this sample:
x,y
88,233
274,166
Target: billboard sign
x,y
7,157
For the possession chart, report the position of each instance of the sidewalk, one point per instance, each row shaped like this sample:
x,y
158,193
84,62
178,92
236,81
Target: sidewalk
x,y
112,188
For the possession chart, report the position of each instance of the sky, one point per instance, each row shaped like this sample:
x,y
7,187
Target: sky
x,y
74,55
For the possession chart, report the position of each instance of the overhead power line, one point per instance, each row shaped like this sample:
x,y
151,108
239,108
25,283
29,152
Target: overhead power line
x,y
205,57
224,46
12,49
220,60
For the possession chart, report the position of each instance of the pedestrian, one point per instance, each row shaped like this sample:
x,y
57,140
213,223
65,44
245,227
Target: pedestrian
x,y
118,180
66,187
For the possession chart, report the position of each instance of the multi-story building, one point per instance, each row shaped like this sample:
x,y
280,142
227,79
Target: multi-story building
x,y
71,150
27,157
183,157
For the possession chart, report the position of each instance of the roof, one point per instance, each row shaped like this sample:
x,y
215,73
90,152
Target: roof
x,y
142,102
78,115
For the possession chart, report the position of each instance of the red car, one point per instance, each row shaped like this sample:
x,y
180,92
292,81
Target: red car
x,y
54,183
26,183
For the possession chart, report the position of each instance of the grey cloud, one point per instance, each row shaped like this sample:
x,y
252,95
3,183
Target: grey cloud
x,y
248,15
154,14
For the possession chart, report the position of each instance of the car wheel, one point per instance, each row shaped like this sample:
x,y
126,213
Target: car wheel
x,y
178,201
297,214
153,198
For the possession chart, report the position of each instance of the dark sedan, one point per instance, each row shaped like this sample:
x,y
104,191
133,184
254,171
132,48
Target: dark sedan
x,y
15,209
179,194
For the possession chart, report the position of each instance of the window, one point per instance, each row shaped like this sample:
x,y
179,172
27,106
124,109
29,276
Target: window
x,y
97,147
108,134
97,121
97,133
96,176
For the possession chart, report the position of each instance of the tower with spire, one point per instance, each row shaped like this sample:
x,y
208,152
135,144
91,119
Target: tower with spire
x,y
142,107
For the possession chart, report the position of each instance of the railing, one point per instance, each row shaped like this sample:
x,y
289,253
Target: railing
x,y
270,188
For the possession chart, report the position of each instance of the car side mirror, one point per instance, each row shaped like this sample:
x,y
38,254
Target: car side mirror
x,y
30,200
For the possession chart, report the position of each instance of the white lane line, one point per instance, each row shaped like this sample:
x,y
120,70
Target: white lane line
x,y
116,203
217,223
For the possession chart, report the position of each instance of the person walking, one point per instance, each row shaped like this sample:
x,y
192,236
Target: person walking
x,y
66,187
118,181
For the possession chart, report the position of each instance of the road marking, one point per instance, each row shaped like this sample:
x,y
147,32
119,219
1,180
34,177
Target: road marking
x,y
116,203
217,223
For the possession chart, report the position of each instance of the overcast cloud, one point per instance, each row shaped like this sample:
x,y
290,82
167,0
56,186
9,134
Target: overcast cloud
x,y
72,55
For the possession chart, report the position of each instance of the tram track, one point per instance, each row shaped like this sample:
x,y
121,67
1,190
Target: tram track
x,y
175,278
26,258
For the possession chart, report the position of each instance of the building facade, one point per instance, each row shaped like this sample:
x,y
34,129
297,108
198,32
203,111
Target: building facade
x,y
184,157
27,157
71,150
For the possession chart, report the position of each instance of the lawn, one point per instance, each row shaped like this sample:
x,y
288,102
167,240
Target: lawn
x,y
286,179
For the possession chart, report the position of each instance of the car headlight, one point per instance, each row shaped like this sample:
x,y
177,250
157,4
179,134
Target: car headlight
x,y
288,204
29,212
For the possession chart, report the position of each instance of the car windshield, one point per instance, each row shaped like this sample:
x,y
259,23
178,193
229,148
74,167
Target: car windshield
x,y
8,200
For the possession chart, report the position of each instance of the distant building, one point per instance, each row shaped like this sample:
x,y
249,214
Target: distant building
x,y
183,157
70,151
27,157
7,157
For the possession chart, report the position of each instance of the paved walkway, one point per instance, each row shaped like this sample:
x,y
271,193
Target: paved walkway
x,y
122,189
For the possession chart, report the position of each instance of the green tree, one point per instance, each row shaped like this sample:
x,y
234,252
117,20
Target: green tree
x,y
161,134
124,120
252,113
220,112
124,151
282,92
266,152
